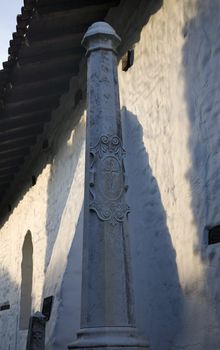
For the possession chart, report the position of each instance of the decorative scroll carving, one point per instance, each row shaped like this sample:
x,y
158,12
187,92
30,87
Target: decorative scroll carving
x,y
107,183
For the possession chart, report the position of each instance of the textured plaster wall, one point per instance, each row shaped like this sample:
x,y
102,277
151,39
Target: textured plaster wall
x,y
170,112
30,214
171,128
52,211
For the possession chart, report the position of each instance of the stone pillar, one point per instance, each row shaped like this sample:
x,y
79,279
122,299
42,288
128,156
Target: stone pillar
x,y
107,317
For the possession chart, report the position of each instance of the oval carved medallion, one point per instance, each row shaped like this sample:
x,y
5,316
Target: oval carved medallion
x,y
107,180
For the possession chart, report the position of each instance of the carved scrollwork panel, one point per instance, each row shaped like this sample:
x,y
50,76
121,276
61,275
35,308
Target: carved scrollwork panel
x,y
107,185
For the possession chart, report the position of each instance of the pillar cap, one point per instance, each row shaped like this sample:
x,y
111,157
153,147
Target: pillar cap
x,y
100,35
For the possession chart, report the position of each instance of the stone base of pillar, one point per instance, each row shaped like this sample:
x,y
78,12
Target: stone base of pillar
x,y
115,338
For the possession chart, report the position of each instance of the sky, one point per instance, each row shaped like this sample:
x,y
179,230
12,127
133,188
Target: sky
x,y
9,9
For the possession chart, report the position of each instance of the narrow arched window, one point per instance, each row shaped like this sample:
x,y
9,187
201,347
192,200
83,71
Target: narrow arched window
x,y
26,281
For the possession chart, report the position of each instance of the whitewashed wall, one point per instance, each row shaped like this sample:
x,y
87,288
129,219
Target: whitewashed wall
x,y
52,211
170,111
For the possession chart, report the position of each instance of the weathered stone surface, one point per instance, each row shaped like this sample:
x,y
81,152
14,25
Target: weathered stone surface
x,y
107,316
107,184
36,332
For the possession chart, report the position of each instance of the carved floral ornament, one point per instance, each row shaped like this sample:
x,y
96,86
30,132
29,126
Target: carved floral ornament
x,y
107,185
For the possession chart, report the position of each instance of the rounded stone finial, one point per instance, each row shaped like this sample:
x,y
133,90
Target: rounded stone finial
x,y
100,35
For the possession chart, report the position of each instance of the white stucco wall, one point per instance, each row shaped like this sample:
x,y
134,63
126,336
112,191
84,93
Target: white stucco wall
x,y
170,112
171,122
171,131
52,211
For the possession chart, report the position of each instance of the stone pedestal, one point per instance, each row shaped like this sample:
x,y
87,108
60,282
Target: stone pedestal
x,y
36,332
107,318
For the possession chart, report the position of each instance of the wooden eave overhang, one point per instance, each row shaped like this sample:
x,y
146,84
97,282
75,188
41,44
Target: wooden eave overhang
x,y
44,54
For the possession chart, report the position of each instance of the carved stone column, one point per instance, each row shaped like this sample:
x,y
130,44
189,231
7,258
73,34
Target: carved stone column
x,y
107,318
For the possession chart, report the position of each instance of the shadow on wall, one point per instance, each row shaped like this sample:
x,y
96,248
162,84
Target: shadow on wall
x,y
201,61
159,305
134,15
69,310
62,174
16,300
158,296
9,318
64,234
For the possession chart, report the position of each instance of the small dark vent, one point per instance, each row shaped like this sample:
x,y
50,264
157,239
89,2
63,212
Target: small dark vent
x,y
47,307
128,60
5,306
33,180
214,235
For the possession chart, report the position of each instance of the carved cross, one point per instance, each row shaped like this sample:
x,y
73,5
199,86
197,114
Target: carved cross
x,y
111,168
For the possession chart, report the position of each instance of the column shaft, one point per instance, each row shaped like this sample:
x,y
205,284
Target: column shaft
x,y
107,317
